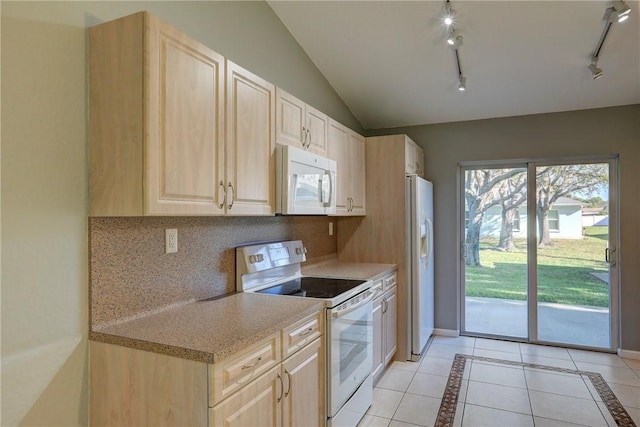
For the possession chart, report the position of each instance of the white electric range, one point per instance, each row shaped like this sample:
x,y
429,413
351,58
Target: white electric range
x,y
274,268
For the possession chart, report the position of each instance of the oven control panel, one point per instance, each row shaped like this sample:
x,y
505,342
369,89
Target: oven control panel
x,y
263,261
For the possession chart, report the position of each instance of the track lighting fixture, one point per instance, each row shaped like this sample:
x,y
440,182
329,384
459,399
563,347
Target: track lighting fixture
x,y
454,39
619,12
462,85
595,71
449,14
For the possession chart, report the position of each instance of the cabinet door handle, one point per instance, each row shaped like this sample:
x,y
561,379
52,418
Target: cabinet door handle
x,y
233,195
288,383
281,388
309,143
304,142
254,364
224,192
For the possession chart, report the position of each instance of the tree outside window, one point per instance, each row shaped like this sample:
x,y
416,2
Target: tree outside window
x,y
554,220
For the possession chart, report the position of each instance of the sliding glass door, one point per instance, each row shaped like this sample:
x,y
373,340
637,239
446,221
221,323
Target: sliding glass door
x,y
538,258
495,251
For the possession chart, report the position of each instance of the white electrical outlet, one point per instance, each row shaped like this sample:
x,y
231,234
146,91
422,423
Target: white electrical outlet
x,y
170,240
330,229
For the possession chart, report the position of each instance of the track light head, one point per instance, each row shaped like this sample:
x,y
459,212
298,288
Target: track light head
x,y
619,12
462,85
623,11
454,39
595,71
449,15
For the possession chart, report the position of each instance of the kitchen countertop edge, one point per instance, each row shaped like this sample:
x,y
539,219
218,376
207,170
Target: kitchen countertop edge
x,y
136,337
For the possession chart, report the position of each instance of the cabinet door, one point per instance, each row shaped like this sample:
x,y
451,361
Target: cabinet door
x,y
184,118
419,158
250,144
290,120
303,398
409,157
378,336
338,150
390,324
358,174
318,126
258,404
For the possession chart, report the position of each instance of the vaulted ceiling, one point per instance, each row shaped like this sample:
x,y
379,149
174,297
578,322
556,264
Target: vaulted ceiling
x,y
389,62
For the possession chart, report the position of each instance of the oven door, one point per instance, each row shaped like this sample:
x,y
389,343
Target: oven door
x,y
350,353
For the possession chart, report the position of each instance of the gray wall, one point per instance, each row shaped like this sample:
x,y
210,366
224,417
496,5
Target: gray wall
x,y
579,133
44,177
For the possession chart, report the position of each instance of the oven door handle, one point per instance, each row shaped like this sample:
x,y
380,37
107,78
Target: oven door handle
x,y
339,314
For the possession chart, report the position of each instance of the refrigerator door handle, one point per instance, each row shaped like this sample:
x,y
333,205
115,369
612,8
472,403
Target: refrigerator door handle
x,y
429,238
423,238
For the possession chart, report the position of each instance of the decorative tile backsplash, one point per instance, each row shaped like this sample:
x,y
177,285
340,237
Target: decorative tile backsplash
x,y
130,275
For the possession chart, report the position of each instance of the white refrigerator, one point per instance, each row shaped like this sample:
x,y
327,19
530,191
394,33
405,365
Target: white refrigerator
x,y
419,264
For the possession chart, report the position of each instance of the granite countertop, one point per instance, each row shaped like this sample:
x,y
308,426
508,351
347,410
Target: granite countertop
x,y
210,330
349,270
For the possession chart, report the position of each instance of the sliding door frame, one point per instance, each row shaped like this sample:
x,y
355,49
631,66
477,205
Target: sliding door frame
x,y
532,266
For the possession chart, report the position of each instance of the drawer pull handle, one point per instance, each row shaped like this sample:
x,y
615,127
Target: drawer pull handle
x,y
253,364
305,333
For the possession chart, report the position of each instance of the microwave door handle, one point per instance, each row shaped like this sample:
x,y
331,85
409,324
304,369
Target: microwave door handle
x,y
330,188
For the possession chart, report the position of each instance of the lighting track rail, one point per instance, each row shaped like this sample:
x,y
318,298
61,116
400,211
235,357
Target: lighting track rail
x,y
619,12
454,40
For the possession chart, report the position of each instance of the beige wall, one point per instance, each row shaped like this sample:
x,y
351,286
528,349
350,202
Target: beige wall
x,y
578,133
44,177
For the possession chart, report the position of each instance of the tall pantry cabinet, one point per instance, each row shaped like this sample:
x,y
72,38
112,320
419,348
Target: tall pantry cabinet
x,y
158,103
380,236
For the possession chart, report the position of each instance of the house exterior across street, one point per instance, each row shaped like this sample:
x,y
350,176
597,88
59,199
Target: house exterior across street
x,y
565,220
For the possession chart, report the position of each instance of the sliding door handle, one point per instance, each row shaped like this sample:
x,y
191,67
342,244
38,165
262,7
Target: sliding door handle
x,y
609,256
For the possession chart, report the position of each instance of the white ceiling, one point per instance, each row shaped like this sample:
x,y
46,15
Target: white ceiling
x,y
389,62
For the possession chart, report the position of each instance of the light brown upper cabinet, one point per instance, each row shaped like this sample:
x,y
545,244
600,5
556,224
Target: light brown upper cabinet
x,y
300,125
347,148
157,114
414,158
250,152
156,120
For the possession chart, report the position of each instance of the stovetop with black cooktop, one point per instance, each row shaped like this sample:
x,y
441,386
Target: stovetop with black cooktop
x,y
313,287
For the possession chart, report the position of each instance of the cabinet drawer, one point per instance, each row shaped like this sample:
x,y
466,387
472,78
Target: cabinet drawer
x,y
231,374
389,282
301,333
258,404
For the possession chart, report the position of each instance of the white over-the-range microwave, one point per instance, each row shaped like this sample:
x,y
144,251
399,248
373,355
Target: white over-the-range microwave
x,y
305,182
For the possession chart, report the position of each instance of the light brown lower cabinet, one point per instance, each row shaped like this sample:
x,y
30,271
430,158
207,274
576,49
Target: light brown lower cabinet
x,y
288,395
384,331
255,387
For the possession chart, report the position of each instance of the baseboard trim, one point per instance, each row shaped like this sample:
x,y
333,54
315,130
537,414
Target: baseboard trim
x,y
446,332
629,354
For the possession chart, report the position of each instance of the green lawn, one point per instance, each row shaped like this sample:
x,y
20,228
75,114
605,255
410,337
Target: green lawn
x,y
563,271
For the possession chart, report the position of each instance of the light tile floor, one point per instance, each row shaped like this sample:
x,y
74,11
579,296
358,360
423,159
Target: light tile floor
x,y
496,395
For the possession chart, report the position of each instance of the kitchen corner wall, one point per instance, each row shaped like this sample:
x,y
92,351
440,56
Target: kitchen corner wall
x,y
131,275
45,182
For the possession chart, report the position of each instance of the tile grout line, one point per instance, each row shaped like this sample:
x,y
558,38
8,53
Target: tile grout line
x,y
526,383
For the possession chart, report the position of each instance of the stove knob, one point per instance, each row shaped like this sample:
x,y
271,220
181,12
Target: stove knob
x,y
252,259
260,257
298,251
